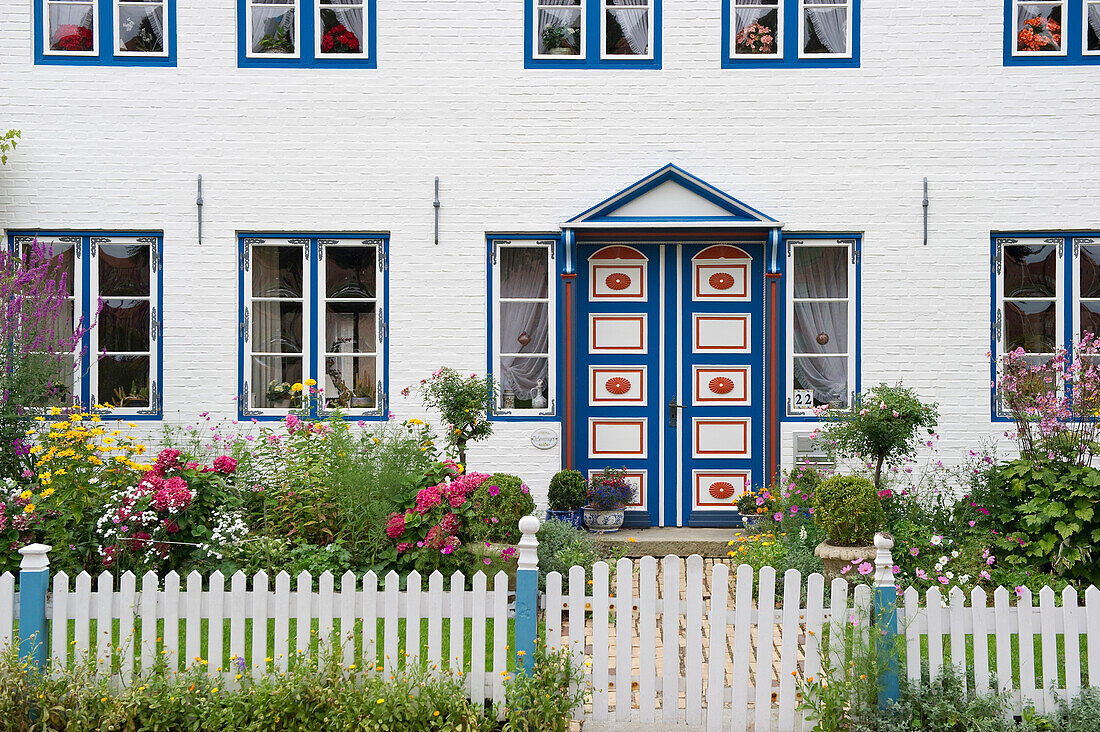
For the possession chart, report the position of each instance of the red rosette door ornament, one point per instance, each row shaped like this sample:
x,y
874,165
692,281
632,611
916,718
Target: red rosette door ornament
x,y
617,385
722,490
721,385
721,280
617,281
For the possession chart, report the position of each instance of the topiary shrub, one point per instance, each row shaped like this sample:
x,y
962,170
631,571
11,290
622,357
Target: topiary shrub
x,y
848,509
499,503
568,491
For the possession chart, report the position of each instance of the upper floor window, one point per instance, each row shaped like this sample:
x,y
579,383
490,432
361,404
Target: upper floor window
x,y
523,326
113,283
105,32
593,33
822,323
1052,32
307,33
313,313
790,33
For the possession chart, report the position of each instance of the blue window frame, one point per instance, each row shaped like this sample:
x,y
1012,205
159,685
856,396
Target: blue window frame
x,y
113,282
313,307
790,33
1051,32
570,34
307,33
105,32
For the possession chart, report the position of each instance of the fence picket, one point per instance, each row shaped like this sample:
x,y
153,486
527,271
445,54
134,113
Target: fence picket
x,y
912,635
412,620
389,630
326,600
600,650
815,615
1004,640
435,620
742,647
149,585
862,613
788,657
716,677
193,618
765,629
647,640
624,631
553,610
238,596
83,613
577,590
1049,647
838,619
7,610
693,649
457,623
500,636
934,605
171,650
127,632
477,641
958,634
348,584
1092,633
303,613
369,614
1024,609
59,635
259,625
102,645
216,606
280,651
670,638
1072,613
979,615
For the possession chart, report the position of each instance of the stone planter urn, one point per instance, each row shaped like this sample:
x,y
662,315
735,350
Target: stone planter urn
x,y
604,522
835,557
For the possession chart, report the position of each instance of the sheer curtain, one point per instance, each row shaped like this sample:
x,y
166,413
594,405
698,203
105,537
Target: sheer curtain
x,y
745,16
79,15
350,18
269,16
521,374
565,16
1094,18
827,376
634,22
830,24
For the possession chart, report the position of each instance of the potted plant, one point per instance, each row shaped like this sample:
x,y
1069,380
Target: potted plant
x,y
608,494
567,496
755,508
279,393
557,40
849,510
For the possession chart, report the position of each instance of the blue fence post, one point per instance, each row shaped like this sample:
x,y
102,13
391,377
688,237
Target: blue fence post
x,y
527,593
34,579
886,621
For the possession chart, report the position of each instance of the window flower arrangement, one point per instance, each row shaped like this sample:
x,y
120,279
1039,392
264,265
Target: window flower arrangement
x,y
72,38
338,39
752,503
610,490
756,38
1039,34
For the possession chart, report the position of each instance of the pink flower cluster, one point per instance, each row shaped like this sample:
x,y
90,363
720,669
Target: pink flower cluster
x,y
443,497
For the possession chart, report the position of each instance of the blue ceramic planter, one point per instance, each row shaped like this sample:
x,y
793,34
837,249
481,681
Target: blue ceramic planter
x,y
573,518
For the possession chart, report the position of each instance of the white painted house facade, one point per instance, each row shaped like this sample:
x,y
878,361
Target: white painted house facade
x,y
668,227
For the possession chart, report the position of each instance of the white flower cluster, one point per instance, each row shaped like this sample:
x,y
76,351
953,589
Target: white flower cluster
x,y
227,527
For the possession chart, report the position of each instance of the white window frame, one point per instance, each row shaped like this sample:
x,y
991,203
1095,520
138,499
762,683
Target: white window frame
x,y
649,6
850,26
1085,29
165,30
1076,243
552,325
46,51
779,32
537,32
303,245
1015,13
364,49
848,245
250,42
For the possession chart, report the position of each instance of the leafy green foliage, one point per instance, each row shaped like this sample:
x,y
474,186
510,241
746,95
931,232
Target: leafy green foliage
x,y
463,403
543,698
498,505
568,491
560,547
8,141
848,509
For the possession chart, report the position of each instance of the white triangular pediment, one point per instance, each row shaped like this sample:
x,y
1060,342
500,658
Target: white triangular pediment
x,y
670,199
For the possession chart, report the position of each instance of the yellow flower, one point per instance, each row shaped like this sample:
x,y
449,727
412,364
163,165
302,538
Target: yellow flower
x,y
416,421
381,701
29,508
310,382
296,388
47,493
26,494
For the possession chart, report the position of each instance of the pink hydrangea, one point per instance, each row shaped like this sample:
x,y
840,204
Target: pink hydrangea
x,y
427,499
395,527
168,459
225,465
449,524
292,423
173,497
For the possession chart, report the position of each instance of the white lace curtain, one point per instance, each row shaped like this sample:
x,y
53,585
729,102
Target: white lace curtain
x,y
828,377
746,16
522,374
79,15
830,24
137,15
1094,18
634,22
565,16
269,16
350,18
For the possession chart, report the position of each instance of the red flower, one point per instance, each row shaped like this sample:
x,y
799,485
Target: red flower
x,y
225,465
1039,34
395,527
339,39
72,38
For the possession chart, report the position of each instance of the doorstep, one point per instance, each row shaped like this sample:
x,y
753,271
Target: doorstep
x,y
662,541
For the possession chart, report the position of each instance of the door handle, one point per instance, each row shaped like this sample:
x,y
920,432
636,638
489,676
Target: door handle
x,y
672,414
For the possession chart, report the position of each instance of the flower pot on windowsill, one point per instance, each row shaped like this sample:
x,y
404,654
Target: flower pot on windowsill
x,y
574,517
362,402
604,522
836,557
562,51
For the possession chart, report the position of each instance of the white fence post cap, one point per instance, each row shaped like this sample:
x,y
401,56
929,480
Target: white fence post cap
x,y
35,557
884,560
528,544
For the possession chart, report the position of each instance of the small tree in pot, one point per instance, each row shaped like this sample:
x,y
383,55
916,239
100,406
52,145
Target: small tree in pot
x,y
567,496
848,509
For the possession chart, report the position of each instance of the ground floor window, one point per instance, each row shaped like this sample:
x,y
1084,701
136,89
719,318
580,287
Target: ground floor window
x,y
313,315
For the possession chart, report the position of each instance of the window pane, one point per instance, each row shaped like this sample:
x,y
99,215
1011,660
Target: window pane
x,y
820,272
351,382
519,381
1030,325
273,26
627,27
350,271
71,27
59,390
272,379
523,327
350,327
559,27
124,381
756,27
1039,27
827,377
1030,271
1090,317
124,270
821,327
277,327
523,272
1090,271
124,325
341,27
277,272
825,29
62,263
141,27
1092,42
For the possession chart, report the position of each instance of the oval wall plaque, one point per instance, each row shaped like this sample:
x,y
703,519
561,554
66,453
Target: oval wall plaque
x,y
721,385
544,438
722,490
617,385
721,280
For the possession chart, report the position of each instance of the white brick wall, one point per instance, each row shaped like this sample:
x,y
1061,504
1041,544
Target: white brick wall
x,y
523,150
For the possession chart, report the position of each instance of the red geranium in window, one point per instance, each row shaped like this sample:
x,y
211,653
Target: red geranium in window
x,y
339,39
756,38
72,38
1039,34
